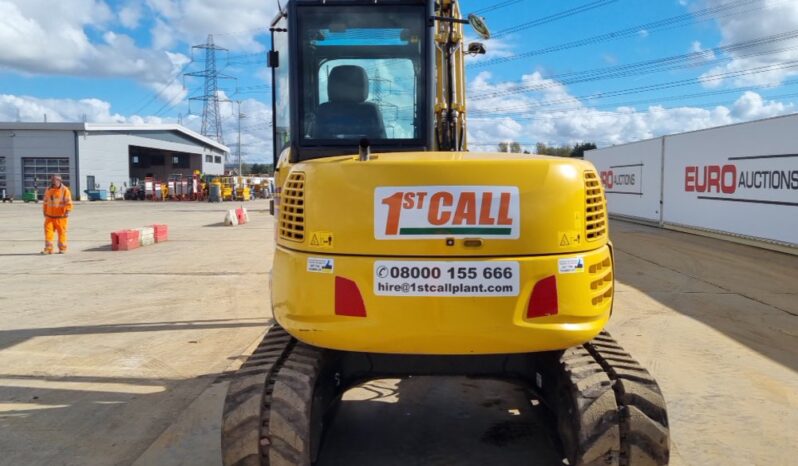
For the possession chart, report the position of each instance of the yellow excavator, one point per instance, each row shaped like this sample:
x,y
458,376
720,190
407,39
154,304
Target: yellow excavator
x,y
401,253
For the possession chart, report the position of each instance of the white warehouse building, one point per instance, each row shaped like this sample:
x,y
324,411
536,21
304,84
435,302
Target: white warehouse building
x,y
88,155
739,181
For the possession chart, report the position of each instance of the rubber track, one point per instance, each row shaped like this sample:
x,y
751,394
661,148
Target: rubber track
x,y
587,413
291,432
245,420
645,437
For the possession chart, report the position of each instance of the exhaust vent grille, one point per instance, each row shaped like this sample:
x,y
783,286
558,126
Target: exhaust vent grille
x,y
292,208
595,208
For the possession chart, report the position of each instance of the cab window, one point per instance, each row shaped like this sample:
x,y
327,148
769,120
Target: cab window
x,y
362,74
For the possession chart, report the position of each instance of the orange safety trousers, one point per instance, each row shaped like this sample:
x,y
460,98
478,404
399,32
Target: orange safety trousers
x,y
51,227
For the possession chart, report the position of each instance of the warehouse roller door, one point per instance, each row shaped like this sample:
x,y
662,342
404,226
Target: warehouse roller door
x,y
3,185
36,172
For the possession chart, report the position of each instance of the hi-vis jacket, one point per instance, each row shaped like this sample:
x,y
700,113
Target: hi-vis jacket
x,y
57,202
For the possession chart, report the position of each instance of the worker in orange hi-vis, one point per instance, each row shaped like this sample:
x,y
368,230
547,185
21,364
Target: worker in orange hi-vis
x,y
57,205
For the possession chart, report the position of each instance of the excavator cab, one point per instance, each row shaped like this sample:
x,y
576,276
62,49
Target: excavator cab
x,y
398,252
345,71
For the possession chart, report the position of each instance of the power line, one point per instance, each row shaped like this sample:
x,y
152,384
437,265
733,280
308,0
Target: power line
x,y
652,87
157,95
651,66
495,6
555,17
555,114
257,31
169,105
653,26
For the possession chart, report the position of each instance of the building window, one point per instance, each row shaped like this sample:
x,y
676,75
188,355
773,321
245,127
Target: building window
x,y
208,158
36,172
180,161
218,159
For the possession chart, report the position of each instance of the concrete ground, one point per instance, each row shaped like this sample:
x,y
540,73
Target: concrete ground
x,y
119,357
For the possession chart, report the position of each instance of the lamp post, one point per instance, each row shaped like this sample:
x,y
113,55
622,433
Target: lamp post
x,y
241,116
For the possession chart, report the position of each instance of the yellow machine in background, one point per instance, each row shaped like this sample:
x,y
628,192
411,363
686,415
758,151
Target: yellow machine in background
x,y
228,187
243,193
401,253
242,189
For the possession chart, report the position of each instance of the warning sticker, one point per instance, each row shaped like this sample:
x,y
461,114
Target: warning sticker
x,y
571,265
321,239
321,265
569,238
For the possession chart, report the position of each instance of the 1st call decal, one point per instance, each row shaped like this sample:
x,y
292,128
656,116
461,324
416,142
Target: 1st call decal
x,y
426,212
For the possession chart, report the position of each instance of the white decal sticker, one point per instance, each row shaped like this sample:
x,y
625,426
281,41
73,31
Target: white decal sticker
x,y
425,212
447,279
571,265
321,265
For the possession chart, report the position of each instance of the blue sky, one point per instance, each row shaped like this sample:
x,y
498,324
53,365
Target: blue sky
x,y
120,60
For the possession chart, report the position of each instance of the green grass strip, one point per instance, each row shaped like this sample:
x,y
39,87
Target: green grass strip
x,y
455,231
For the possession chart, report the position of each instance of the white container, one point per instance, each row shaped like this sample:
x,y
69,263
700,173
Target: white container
x,y
231,218
632,178
146,236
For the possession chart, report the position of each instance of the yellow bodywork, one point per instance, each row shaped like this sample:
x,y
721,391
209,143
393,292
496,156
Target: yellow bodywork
x,y
326,213
326,210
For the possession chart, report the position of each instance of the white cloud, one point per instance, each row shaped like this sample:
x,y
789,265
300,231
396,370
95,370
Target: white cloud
x,y
163,36
235,25
130,15
45,37
751,106
536,118
256,133
701,53
496,48
768,18
57,110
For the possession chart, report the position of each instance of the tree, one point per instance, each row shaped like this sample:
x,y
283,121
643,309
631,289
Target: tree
x,y
579,149
257,168
562,151
513,147
261,168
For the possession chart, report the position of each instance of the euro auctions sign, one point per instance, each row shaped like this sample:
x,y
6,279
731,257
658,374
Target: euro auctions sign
x,y
769,179
623,179
425,212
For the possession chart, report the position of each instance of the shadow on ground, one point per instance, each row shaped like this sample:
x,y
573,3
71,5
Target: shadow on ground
x,y
9,338
749,294
440,421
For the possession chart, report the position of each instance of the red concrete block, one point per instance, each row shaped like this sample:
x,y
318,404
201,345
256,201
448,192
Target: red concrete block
x,y
124,240
161,233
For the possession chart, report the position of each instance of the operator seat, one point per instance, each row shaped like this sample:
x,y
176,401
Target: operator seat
x,y
347,114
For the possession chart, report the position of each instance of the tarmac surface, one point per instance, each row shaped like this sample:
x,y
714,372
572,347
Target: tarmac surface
x,y
120,357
